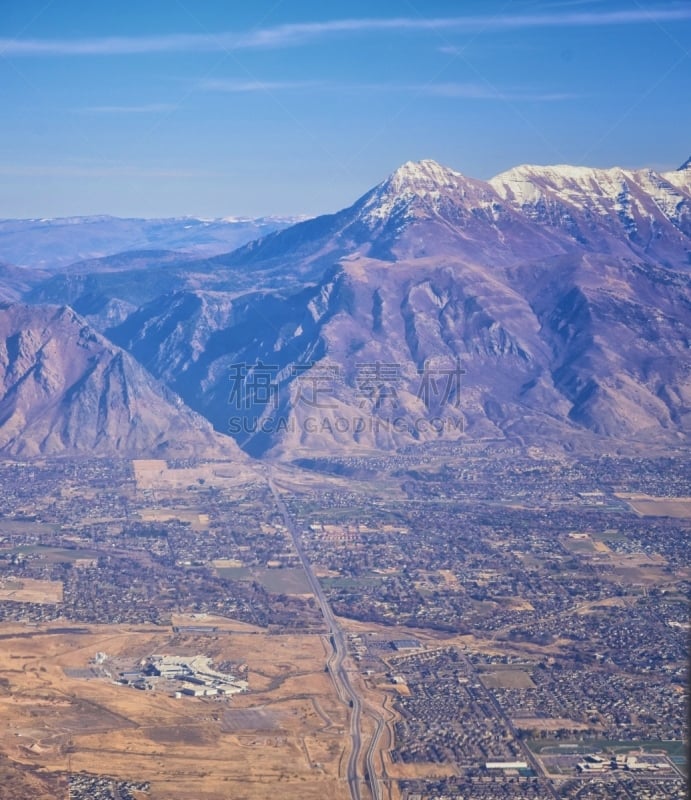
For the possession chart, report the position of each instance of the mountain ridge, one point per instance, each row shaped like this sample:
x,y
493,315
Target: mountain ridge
x,y
65,388
560,294
625,215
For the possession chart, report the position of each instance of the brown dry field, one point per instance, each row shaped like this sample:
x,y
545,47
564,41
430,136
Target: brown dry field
x,y
30,590
633,568
156,475
222,623
507,679
19,782
605,602
552,724
642,569
648,506
296,746
227,563
450,579
198,522
421,771
517,604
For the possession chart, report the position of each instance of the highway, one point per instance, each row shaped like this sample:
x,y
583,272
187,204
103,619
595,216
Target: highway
x,y
375,788
337,670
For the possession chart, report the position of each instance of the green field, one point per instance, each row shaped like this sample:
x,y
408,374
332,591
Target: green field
x,y
53,555
290,580
674,749
351,583
24,526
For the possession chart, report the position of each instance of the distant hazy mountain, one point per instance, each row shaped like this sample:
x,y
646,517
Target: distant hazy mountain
x,y
17,282
56,243
66,389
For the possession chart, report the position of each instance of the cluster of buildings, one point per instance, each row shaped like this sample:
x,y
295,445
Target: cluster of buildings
x,y
595,763
191,676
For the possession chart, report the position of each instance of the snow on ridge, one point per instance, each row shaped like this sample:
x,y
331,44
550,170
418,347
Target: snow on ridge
x,y
565,178
665,192
423,176
681,178
560,191
606,181
425,180
602,191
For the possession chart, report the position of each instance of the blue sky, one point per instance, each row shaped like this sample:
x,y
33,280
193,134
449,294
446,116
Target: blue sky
x,y
215,108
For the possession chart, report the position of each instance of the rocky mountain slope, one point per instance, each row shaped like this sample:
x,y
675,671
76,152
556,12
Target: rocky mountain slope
x,y
64,388
548,305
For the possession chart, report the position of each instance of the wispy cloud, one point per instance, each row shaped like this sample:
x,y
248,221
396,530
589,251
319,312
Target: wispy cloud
x,y
109,45
299,33
461,90
247,86
466,91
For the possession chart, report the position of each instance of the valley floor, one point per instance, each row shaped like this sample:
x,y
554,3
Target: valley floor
x,y
515,626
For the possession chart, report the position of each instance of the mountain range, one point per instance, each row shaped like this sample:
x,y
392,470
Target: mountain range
x,y
58,243
547,306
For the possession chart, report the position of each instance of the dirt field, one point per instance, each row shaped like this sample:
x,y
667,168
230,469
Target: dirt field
x,y
28,590
450,579
155,475
292,581
421,771
197,521
209,620
289,732
19,781
553,724
507,679
648,506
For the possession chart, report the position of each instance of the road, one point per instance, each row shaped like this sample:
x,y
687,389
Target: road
x,y
527,752
374,784
338,672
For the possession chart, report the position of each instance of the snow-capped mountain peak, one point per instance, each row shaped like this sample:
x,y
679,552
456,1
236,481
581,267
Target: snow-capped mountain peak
x,y
422,177
421,188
